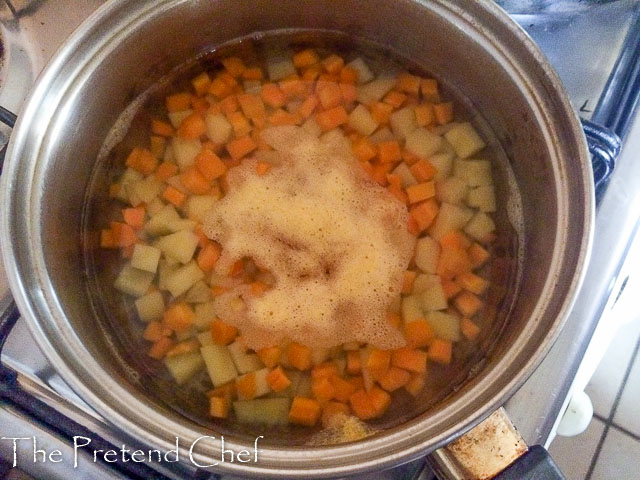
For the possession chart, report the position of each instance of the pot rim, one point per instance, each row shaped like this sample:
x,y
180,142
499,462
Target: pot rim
x,y
122,406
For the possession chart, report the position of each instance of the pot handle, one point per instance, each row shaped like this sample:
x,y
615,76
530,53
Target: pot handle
x,y
604,146
493,450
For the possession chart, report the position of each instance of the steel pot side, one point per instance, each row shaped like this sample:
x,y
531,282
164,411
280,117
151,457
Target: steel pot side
x,y
126,46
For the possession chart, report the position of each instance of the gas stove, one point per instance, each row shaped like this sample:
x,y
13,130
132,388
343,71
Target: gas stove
x,y
592,45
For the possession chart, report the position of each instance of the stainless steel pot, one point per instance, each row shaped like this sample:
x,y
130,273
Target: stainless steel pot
x,y
126,46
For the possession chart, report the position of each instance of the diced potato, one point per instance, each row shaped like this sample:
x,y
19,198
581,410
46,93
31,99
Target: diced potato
x,y
361,120
475,172
452,190
205,314
160,222
129,177
445,325
144,191
407,178
183,367
154,206
145,257
429,288
482,198
180,245
364,72
403,122
294,377
267,411
165,270
150,307
382,135
451,217
133,281
185,151
186,334
197,206
480,227
319,355
443,162
176,118
182,279
375,89
411,309
219,364
280,67
199,293
218,128
422,142
312,127
335,139
465,140
262,386
205,338
427,254
244,362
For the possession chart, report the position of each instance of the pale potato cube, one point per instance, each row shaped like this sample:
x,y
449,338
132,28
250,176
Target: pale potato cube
x,y
186,334
154,206
144,191
219,364
244,362
145,257
197,206
422,142
475,172
407,178
403,122
428,288
205,338
266,411
260,378
150,307
312,127
375,89
185,151
450,217
382,135
443,162
133,282
176,118
364,72
445,325
411,309
361,121
185,366
452,190
176,183
205,314
218,128
280,67
199,293
465,140
180,245
167,220
480,227
129,177
183,278
427,254
319,355
165,270
482,198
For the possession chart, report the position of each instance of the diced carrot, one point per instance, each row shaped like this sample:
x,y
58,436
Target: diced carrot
x,y
443,112
409,158
394,378
304,411
278,380
381,112
166,170
123,234
200,105
186,346
106,239
308,106
408,83
253,108
368,405
269,356
311,74
469,329
178,102
272,95
407,282
299,356
209,165
467,303
222,333
364,149
154,331
348,75
424,213
418,333
378,362
293,87
440,351
357,382
333,63
421,191
134,216
415,384
423,170
332,412
395,187
354,365
239,123
218,407
429,89
174,196
192,127
332,118
142,160
229,104
228,391
478,254
234,66
201,83
240,147
246,386
178,317
282,117
322,389
252,73
157,145
329,95
194,181
164,129
455,239
127,252
305,58
412,226
342,389
389,152
216,290
410,359
220,88
237,268
450,288
472,282
324,370
394,98
394,319
425,114
452,262
160,348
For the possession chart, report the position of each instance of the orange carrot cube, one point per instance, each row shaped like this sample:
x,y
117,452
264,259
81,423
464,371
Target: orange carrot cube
x,y
394,378
164,129
299,356
424,213
389,152
467,304
421,191
269,356
234,66
443,112
240,147
408,83
134,216
160,348
218,407
174,196
469,329
423,170
440,351
278,380
410,359
304,411
332,411
209,165
332,118
178,102
418,333
305,58
333,63
178,317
